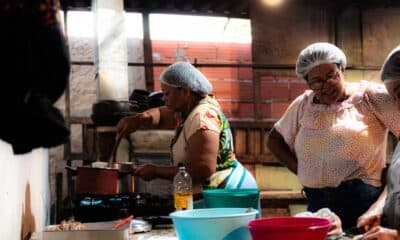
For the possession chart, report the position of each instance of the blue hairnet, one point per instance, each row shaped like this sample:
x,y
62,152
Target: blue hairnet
x,y
316,54
391,66
184,74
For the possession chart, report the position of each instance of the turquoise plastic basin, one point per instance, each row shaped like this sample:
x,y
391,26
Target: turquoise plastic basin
x,y
213,223
239,198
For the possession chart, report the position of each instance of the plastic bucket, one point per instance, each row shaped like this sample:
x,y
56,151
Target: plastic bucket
x,y
242,198
213,223
293,228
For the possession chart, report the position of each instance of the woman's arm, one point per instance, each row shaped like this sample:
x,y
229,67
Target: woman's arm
x,y
203,151
203,148
372,217
161,117
381,233
279,148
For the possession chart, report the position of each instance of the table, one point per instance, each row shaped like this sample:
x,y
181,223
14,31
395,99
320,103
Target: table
x,y
156,234
165,233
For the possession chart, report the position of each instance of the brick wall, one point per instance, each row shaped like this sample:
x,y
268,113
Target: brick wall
x,y
233,86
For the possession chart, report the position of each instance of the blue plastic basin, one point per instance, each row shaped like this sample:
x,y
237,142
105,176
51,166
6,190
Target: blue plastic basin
x,y
213,223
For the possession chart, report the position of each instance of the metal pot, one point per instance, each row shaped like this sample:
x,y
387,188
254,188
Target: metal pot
x,y
125,178
97,181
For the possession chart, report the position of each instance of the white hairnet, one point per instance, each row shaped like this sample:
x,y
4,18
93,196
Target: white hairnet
x,y
391,66
184,74
316,54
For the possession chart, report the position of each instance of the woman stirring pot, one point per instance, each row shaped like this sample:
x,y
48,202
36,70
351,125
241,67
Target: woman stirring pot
x,y
203,141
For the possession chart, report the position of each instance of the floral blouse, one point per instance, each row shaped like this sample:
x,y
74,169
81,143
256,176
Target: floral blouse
x,y
206,116
343,141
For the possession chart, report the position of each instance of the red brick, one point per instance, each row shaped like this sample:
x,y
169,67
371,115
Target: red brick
x,y
231,51
166,49
267,78
296,89
220,72
245,73
275,90
291,78
233,90
278,109
199,50
237,109
266,110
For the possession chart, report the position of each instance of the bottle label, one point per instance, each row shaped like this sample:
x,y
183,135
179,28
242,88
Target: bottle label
x,y
183,201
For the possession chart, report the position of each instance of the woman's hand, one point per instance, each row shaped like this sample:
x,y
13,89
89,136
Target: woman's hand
x,y
147,172
369,219
372,217
381,233
129,124
336,228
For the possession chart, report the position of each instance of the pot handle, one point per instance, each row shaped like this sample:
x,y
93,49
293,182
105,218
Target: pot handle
x,y
73,170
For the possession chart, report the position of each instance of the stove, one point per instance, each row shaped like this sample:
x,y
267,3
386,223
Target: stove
x,y
94,208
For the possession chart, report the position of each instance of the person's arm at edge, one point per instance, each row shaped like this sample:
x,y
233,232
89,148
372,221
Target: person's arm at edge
x,y
372,216
281,150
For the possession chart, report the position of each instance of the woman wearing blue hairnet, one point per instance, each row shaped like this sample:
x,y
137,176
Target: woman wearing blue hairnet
x,y
334,135
203,139
383,217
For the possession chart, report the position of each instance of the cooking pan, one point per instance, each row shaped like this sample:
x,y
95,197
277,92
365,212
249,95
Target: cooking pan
x,y
114,179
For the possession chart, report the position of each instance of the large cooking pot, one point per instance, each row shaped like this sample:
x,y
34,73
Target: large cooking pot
x,y
104,181
97,181
105,178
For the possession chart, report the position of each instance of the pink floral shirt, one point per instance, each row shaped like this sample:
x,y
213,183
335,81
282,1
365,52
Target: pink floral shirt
x,y
343,141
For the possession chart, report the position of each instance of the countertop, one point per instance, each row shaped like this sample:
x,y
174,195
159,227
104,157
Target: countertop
x,y
155,234
166,232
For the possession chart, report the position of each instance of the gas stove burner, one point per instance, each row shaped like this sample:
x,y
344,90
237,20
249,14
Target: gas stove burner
x,y
91,202
90,208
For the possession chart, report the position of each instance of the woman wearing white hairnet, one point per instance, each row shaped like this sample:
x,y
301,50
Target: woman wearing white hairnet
x,y
383,217
334,135
203,141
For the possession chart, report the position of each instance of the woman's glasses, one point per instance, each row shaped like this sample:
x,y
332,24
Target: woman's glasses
x,y
319,84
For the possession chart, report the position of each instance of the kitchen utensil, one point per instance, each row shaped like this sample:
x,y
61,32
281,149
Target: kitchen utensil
x,y
111,159
294,228
125,170
213,223
122,222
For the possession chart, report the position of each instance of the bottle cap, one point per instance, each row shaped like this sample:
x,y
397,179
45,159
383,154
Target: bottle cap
x,y
181,165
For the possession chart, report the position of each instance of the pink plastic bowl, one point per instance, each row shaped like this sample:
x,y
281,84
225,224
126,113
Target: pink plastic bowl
x,y
293,228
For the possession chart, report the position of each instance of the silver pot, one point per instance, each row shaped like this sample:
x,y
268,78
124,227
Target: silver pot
x,y
125,177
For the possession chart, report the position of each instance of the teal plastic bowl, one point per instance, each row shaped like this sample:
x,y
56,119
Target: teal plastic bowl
x,y
239,198
213,223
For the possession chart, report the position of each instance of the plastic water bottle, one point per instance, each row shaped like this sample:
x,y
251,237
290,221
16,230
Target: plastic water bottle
x,y
183,196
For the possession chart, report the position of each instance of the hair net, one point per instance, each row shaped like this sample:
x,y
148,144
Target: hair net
x,y
316,54
184,74
391,66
